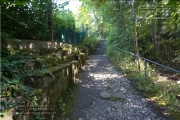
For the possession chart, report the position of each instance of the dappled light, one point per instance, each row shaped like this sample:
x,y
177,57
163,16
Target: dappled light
x,y
107,93
103,78
90,59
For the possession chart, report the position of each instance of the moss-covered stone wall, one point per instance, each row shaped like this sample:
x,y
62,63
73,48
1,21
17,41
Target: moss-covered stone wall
x,y
37,77
30,44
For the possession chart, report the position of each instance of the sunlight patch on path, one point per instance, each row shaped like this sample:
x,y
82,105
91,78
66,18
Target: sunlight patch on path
x,y
121,103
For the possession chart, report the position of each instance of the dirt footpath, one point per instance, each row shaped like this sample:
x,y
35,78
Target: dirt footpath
x,y
105,94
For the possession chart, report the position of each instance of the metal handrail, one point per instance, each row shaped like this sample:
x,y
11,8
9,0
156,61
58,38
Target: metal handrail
x,y
172,69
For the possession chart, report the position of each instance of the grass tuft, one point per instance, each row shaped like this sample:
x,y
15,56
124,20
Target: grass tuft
x,y
156,88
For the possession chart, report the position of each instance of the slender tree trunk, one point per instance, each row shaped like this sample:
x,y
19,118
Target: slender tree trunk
x,y
153,35
50,22
74,34
135,32
176,17
159,28
118,16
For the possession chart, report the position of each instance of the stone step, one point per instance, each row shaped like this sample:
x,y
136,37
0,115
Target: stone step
x,y
23,67
45,77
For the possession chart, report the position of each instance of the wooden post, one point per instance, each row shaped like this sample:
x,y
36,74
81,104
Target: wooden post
x,y
145,69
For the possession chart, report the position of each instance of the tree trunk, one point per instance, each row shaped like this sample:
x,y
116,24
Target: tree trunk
x,y
159,28
50,22
176,17
135,33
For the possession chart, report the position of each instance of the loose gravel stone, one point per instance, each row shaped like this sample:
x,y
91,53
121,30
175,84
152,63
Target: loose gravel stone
x,y
112,94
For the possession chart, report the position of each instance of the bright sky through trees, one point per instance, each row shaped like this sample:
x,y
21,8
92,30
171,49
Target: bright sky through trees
x,y
73,5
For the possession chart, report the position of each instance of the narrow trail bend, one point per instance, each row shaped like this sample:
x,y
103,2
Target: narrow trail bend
x,y
99,76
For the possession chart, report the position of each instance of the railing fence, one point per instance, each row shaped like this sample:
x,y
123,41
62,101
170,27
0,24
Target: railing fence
x,y
145,62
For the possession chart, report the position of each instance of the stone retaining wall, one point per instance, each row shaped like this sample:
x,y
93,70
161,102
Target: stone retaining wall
x,y
49,81
30,44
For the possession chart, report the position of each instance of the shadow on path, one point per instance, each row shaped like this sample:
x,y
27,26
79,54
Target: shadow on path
x,y
100,76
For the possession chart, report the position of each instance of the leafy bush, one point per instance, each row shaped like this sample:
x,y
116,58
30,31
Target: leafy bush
x,y
91,42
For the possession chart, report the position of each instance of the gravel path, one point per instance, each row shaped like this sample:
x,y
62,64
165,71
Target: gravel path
x,y
100,78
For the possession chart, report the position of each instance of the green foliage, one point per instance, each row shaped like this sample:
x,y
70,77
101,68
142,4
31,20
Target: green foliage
x,y
13,91
91,42
155,22
31,19
66,104
158,89
14,94
17,2
17,67
84,17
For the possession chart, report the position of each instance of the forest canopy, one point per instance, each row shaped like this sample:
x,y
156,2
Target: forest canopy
x,y
34,19
145,27
149,28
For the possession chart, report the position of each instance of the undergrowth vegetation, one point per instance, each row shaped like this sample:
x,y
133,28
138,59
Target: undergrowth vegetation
x,y
91,42
164,93
18,65
66,104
